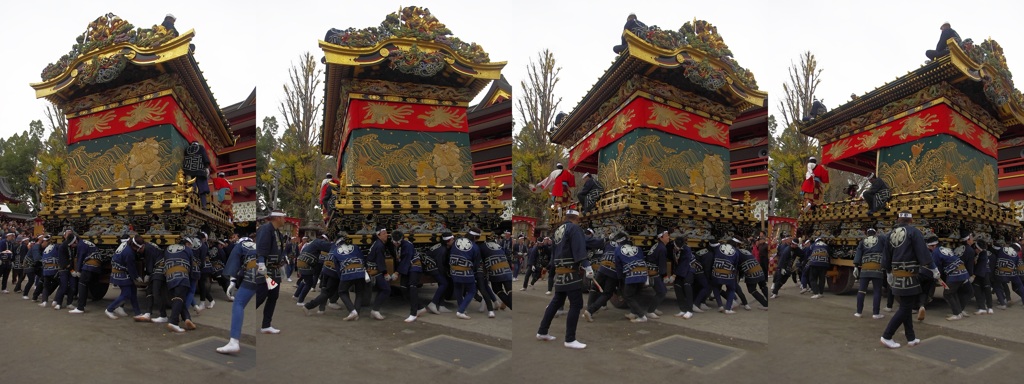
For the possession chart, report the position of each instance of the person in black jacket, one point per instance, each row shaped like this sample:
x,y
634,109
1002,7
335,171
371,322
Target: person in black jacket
x,y
268,254
197,165
588,194
531,265
877,195
941,49
632,25
784,265
902,256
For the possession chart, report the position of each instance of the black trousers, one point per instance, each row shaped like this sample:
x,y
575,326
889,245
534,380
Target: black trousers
x,y
817,276
331,284
778,280
684,293
411,283
982,292
958,294
17,277
357,285
903,317
158,297
483,288
575,297
760,296
658,284
178,310
50,285
85,280
629,294
271,304
5,272
204,288
551,279
30,281
503,289
530,273
597,300
308,282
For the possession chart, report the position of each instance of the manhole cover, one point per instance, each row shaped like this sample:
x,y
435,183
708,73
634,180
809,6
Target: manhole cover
x,y
702,355
457,353
204,351
960,354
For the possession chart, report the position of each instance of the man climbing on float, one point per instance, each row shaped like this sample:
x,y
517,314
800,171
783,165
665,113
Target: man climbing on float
x,y
559,182
814,181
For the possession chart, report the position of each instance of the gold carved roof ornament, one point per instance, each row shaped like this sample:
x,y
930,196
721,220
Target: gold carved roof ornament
x,y
950,79
696,52
110,47
410,40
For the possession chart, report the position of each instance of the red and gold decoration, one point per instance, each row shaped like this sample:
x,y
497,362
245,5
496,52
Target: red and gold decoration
x,y
133,117
645,113
364,114
931,121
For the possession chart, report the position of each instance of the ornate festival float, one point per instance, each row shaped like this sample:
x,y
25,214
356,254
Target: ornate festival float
x,y
932,136
134,99
396,99
655,128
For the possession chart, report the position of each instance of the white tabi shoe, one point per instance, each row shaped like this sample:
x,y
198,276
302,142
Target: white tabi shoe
x,y
878,316
575,344
914,342
159,320
209,304
111,315
270,331
545,337
490,314
889,343
352,316
231,347
175,329
410,319
433,309
444,309
857,315
462,316
653,315
588,316
120,312
421,312
76,311
334,306
376,315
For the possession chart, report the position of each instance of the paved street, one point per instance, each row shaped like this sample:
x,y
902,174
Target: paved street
x,y
115,350
796,337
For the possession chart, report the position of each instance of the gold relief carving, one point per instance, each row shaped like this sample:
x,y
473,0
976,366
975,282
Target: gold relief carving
x,y
447,162
666,116
444,116
916,126
960,125
622,122
988,143
870,140
97,122
142,165
927,170
144,112
690,101
708,129
380,113
839,148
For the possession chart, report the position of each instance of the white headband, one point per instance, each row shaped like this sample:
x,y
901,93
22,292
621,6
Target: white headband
x,y
572,212
446,238
473,233
933,243
382,230
133,241
906,215
277,214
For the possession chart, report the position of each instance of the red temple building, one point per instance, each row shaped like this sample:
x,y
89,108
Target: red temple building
x,y
238,162
490,124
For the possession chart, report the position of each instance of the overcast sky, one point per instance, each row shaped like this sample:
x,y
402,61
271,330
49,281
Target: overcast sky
x,y
860,45
37,33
